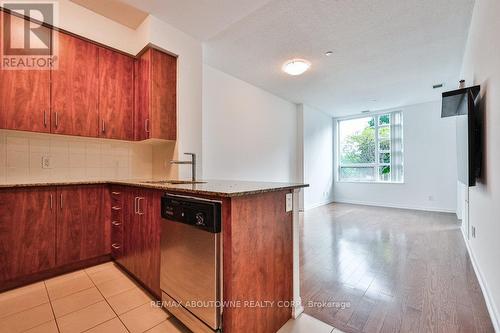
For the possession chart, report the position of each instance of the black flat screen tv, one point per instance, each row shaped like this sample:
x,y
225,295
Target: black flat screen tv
x,y
465,105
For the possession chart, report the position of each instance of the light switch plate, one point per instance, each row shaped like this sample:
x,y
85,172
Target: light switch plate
x,y
289,202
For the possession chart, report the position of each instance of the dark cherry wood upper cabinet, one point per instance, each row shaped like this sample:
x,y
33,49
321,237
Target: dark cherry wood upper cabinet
x,y
116,95
142,93
24,94
163,96
82,228
27,231
75,85
156,96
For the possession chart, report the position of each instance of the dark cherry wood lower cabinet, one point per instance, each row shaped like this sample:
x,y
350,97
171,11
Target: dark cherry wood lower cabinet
x,y
148,245
52,230
27,232
82,231
140,251
257,262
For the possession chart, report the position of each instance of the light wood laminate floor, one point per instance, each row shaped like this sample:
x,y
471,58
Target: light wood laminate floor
x,y
372,269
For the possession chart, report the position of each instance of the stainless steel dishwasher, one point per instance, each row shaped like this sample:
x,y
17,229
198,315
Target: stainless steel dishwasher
x,y
191,261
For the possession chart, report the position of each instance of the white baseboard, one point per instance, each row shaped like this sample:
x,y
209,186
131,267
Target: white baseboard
x,y
297,310
492,310
319,204
413,207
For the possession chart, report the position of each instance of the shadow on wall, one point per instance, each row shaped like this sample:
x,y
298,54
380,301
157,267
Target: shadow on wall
x,y
482,117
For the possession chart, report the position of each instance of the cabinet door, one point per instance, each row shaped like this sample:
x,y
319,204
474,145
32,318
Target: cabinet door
x,y
27,231
116,95
75,88
156,96
82,232
142,92
148,238
163,96
141,235
24,94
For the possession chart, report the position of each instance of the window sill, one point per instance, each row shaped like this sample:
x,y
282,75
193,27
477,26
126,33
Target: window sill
x,y
368,182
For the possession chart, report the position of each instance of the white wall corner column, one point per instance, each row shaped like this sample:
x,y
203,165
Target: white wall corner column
x,y
297,307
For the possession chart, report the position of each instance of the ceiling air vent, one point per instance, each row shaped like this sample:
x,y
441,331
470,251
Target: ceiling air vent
x,y
437,86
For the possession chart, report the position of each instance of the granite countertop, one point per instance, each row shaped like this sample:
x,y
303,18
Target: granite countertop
x,y
220,188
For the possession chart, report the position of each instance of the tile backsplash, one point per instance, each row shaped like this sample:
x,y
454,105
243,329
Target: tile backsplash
x,y
70,158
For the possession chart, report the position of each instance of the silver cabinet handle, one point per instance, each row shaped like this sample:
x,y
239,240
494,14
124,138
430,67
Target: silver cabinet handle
x,y
146,125
44,118
57,118
115,193
115,246
61,201
51,201
116,223
115,208
139,211
103,126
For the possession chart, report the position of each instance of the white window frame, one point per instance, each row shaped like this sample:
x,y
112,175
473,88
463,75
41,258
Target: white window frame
x,y
377,163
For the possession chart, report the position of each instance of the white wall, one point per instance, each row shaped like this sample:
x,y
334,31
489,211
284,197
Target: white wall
x,y
248,133
430,170
482,66
317,134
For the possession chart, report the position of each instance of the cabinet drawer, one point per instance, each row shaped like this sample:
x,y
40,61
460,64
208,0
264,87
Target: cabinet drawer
x,y
116,196
116,230
116,225
116,249
116,199
116,216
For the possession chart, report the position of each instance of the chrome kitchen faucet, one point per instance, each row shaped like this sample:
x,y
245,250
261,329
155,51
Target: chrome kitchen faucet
x,y
192,162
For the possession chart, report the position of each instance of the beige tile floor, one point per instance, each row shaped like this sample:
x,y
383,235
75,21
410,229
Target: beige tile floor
x,y
100,299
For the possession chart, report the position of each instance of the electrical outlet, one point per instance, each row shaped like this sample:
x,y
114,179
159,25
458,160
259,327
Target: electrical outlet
x,y
45,162
289,202
473,231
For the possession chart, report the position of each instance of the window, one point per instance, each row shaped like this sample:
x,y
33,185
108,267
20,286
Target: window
x,y
370,149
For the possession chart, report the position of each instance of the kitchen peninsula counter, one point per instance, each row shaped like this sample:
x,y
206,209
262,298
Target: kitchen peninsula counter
x,y
218,188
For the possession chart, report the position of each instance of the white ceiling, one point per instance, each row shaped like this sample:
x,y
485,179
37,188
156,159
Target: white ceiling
x,y
387,53
116,11
201,19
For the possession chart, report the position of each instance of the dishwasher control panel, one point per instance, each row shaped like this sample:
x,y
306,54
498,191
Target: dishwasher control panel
x,y
199,213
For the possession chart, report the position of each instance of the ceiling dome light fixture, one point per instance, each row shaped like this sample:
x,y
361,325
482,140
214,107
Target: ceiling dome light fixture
x,y
296,67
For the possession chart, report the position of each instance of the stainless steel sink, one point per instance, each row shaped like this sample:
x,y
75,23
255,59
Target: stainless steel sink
x,y
173,182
